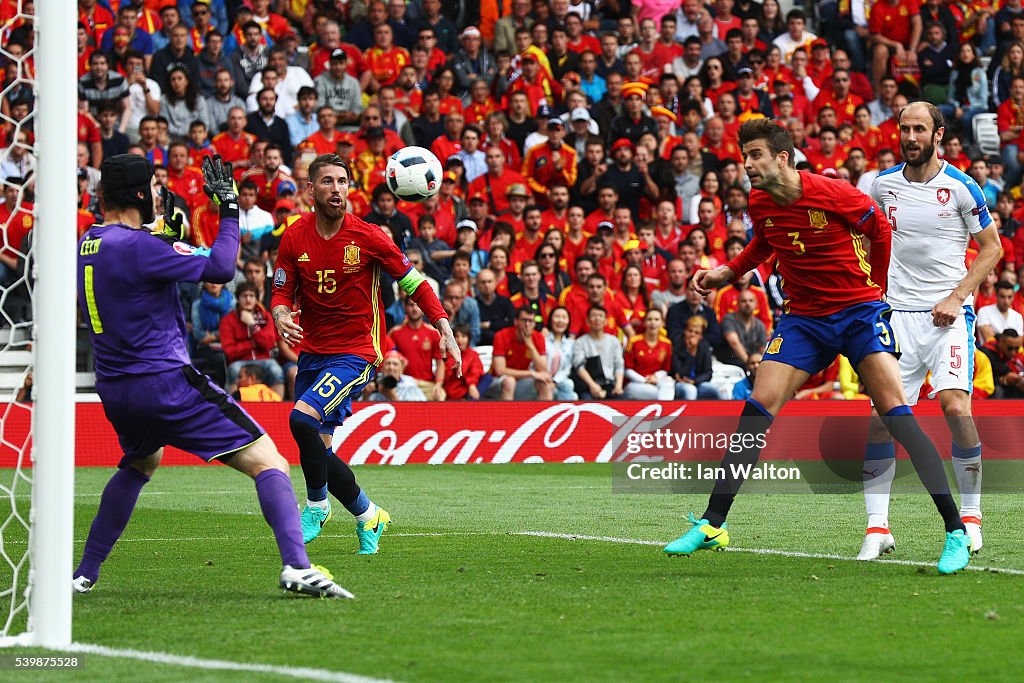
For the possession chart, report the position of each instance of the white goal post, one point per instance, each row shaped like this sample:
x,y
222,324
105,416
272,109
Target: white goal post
x,y
51,264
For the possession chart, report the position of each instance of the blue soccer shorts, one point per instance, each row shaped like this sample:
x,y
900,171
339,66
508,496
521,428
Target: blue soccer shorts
x,y
812,343
328,383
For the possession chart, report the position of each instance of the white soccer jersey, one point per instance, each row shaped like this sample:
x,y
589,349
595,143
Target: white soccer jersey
x,y
932,223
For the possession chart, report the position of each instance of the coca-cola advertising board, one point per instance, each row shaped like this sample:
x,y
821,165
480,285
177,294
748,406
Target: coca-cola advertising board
x,y
497,432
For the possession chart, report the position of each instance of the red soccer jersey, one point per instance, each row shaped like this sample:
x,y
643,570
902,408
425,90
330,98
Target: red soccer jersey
x,y
820,245
336,285
16,227
88,131
495,188
728,298
266,189
319,143
517,357
843,108
893,22
188,185
820,161
421,346
231,149
646,359
385,64
456,388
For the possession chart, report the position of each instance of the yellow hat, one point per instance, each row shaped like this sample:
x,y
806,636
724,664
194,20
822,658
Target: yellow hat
x,y
660,112
634,88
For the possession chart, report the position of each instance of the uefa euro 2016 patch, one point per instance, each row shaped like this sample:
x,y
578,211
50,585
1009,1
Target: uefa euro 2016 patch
x,y
280,278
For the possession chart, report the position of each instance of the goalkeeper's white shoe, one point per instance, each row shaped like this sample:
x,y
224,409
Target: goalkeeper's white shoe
x,y
973,526
82,584
315,581
877,542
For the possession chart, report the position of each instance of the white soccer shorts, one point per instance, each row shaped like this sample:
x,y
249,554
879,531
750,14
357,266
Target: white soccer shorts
x,y
947,352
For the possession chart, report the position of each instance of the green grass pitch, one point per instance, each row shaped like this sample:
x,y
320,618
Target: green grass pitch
x,y
457,594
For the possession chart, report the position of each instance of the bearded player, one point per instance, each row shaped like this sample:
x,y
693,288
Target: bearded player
x,y
934,210
128,291
816,227
329,266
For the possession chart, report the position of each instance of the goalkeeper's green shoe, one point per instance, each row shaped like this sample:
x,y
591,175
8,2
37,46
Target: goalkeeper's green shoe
x,y
956,554
701,536
369,532
313,520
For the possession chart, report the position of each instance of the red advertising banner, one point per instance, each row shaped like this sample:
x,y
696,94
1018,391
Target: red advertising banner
x,y
494,432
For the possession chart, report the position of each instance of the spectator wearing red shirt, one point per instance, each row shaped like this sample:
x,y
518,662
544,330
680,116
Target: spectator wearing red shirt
x,y
16,221
383,61
839,97
519,361
96,18
828,155
449,144
247,336
89,134
532,296
184,180
953,153
550,161
496,182
654,55
529,239
421,345
716,142
821,385
895,31
235,144
268,176
1010,121
325,140
275,25
819,67
467,386
890,128
648,361
598,294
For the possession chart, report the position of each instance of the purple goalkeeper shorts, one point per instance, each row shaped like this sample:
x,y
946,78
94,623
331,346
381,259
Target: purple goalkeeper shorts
x,y
181,408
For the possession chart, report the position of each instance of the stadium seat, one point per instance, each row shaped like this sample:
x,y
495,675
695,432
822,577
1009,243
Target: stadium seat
x,y
485,353
723,377
986,133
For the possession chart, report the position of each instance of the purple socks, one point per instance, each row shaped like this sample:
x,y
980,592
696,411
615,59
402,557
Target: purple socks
x,y
116,505
277,500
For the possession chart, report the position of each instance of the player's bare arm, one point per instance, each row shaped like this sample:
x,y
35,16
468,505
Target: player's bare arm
x,y
990,251
707,281
449,345
287,327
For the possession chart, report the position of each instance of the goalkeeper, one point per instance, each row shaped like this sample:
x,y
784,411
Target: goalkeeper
x,y
127,286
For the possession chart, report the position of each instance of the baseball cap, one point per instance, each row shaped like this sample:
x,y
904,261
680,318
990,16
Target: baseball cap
x,y
527,57
466,224
470,31
478,196
345,139
516,190
396,355
605,225
580,114
543,111
374,132
744,71
452,176
819,42
338,53
82,173
285,186
284,204
631,245
555,121
622,142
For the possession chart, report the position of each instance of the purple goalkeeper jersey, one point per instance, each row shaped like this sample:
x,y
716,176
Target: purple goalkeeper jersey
x,y
128,293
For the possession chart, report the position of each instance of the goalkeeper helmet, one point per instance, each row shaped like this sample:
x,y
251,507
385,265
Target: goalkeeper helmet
x,y
126,182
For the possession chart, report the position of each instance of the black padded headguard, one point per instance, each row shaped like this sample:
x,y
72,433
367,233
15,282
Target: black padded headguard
x,y
125,182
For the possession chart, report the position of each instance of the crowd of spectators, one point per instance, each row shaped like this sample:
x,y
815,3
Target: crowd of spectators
x,y
590,155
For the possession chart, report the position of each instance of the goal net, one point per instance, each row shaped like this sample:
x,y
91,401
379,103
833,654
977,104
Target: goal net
x,y
37,319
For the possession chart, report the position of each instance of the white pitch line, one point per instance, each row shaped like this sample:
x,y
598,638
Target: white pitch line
x,y
220,664
760,551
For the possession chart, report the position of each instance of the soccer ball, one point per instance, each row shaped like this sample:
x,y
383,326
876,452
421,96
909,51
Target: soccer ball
x,y
414,174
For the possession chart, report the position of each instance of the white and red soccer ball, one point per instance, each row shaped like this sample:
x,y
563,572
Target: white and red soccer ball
x,y
414,174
